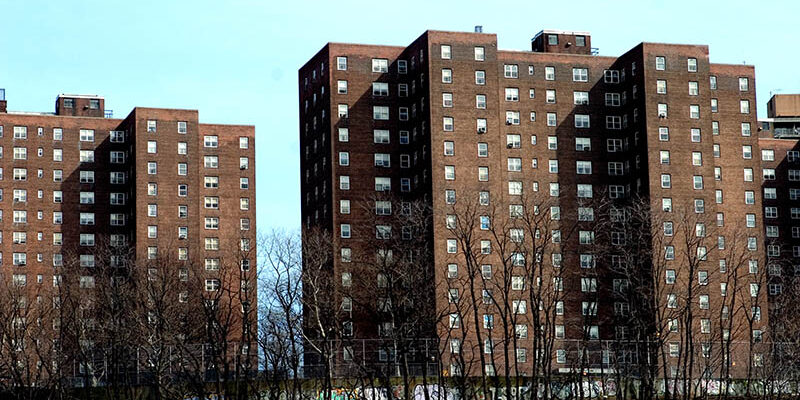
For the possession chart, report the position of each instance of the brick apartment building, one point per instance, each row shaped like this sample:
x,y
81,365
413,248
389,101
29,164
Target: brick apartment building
x,y
82,187
455,122
779,140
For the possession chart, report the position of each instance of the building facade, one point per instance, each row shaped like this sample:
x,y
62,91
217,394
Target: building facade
x,y
779,140
86,195
541,170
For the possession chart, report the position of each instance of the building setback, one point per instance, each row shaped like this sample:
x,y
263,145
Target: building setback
x,y
155,187
586,141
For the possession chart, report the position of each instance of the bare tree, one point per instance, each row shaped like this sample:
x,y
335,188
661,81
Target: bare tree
x,y
280,319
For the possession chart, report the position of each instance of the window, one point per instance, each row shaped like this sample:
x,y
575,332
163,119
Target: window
x,y
20,153
583,144
664,156
553,166
583,168
116,136
512,94
581,120
744,106
449,172
86,156
380,113
694,135
612,100
86,197
697,158
211,161
614,145
697,182
550,96
582,98
380,65
341,63
691,64
662,110
117,157
616,169
151,126
744,84
746,132
552,119
613,122
480,53
580,75
480,77
20,132
86,135
661,63
341,87
549,73
117,219
661,86
483,150
483,174
694,111
510,71
379,89
611,76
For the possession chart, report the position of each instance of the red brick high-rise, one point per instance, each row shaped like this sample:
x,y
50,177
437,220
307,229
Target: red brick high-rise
x,y
493,134
83,192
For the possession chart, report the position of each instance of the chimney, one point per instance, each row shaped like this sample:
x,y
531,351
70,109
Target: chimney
x,y
3,104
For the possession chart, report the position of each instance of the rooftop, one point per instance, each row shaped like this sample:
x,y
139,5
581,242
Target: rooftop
x,y
559,32
81,96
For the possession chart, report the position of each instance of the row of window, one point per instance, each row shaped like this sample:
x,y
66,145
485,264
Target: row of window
x,y
85,135
118,157
88,135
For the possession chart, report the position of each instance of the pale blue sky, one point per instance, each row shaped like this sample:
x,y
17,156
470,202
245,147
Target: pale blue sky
x,y
237,61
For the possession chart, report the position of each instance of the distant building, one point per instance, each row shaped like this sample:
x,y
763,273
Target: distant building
x,y
78,189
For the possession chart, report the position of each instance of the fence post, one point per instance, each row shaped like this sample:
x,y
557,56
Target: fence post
x,y
138,379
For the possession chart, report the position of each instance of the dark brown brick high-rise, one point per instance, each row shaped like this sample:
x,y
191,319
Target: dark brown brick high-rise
x,y
558,131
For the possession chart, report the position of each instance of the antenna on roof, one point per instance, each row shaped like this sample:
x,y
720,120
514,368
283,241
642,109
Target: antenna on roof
x,y
478,28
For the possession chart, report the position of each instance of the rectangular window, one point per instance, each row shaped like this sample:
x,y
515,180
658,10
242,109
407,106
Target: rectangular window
x,y
580,74
480,53
86,135
380,113
480,77
582,98
611,76
380,65
510,71
744,84
691,64
549,73
581,120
